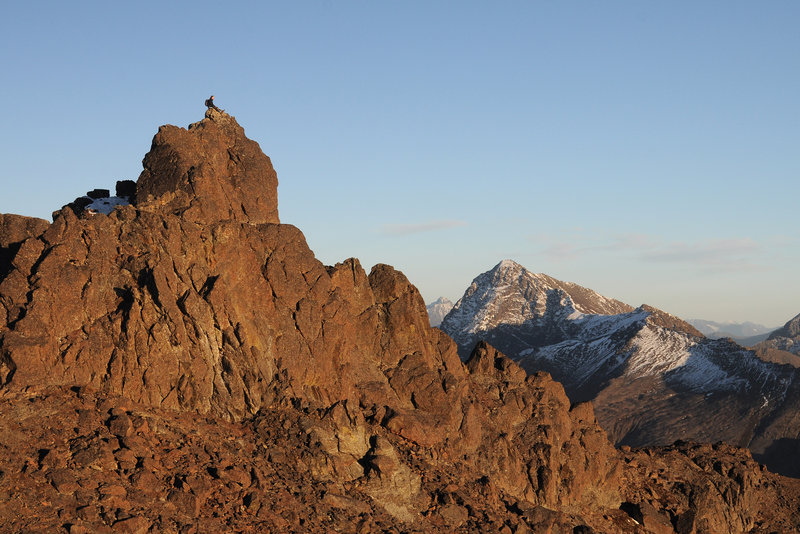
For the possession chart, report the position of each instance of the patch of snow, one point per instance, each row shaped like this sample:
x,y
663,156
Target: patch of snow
x,y
106,205
575,315
438,310
658,351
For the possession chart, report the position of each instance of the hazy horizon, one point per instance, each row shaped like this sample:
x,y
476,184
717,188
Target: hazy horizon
x,y
645,151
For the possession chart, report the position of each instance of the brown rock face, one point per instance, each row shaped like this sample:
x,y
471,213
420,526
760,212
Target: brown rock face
x,y
14,262
187,359
14,229
706,488
209,172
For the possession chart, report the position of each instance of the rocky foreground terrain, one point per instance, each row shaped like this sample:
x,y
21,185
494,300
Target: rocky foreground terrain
x,y
185,364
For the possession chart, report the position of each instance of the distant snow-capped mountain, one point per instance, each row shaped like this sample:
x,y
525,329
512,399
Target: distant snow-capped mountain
x,y
509,296
652,377
438,309
517,311
746,333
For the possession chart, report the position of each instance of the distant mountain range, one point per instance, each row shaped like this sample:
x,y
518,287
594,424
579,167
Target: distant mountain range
x,y
746,334
652,377
438,309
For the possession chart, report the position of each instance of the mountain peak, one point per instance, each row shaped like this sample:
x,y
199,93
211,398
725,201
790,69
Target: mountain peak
x,y
508,265
438,309
786,338
509,294
208,172
509,270
669,321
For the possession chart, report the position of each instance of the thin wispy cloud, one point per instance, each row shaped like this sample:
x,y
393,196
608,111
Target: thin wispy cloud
x,y
740,254
418,228
562,251
713,252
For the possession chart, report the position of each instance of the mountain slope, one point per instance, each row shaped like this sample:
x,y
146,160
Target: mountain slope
x,y
185,364
746,334
786,338
652,377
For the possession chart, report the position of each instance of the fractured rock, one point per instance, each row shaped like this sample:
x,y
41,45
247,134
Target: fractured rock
x,y
186,360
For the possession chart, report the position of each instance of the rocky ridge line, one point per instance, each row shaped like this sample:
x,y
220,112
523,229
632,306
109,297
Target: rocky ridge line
x,y
186,363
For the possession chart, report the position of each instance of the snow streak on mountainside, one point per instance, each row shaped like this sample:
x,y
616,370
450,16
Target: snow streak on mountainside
x,y
653,377
438,309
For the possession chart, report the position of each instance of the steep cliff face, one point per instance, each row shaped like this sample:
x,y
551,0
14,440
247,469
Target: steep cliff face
x,y
186,358
208,172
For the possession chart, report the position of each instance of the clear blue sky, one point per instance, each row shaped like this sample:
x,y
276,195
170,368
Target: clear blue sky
x,y
649,151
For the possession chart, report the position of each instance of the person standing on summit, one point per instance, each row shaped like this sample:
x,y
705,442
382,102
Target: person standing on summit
x,y
210,104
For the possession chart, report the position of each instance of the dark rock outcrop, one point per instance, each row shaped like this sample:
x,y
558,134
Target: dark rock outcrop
x,y
186,362
729,491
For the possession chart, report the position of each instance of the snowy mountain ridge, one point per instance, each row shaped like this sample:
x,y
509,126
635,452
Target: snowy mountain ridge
x,y
652,377
509,294
438,309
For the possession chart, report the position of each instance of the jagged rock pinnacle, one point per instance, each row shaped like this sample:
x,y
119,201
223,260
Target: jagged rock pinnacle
x,y
208,172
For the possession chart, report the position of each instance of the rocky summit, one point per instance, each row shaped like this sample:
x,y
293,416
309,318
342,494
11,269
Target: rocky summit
x,y
185,364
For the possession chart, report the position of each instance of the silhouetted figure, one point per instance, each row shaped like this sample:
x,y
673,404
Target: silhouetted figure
x,y
210,104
